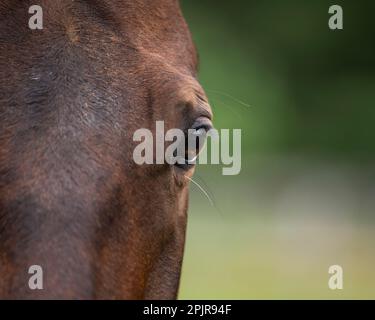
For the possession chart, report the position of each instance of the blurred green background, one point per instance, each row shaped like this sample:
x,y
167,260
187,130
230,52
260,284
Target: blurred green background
x,y
305,197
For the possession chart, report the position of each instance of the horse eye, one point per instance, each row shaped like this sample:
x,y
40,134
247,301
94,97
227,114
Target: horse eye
x,y
194,142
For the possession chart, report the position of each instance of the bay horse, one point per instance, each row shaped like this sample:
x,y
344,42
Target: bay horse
x,y
72,200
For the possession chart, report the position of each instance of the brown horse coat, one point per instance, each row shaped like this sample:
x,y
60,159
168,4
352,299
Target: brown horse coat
x,y
72,200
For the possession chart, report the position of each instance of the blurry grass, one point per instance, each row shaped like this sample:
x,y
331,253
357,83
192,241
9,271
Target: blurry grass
x,y
253,260
277,232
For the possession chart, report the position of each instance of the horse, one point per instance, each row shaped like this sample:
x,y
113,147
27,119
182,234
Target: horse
x,y
72,200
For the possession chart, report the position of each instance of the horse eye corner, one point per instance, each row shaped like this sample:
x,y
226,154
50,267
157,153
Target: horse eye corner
x,y
185,167
203,122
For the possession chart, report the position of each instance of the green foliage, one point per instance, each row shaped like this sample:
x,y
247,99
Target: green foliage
x,y
310,89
